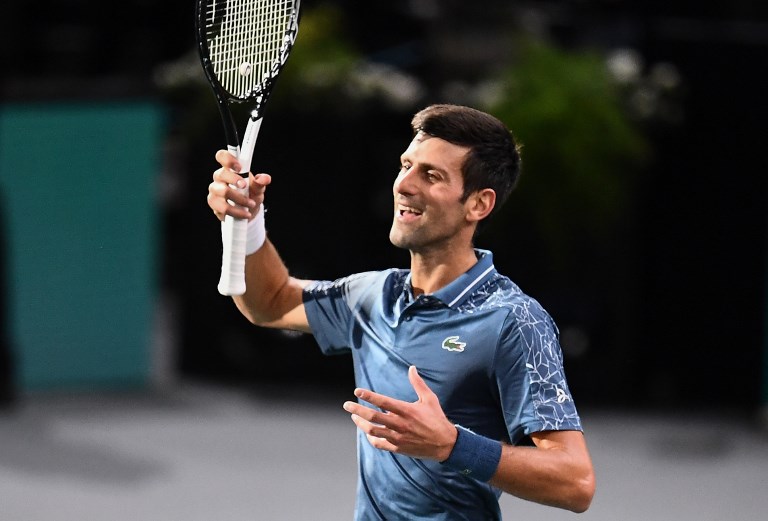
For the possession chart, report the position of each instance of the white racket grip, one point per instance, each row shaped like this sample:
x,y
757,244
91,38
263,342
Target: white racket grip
x,y
234,231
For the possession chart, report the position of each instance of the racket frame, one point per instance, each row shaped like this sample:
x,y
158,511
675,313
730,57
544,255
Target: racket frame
x,y
233,230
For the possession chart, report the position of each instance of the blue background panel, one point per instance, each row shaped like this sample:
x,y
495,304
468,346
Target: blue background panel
x,y
80,220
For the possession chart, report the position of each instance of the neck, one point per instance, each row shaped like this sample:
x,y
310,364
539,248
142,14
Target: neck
x,y
431,271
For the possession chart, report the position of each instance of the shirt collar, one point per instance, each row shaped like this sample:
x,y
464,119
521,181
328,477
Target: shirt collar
x,y
460,289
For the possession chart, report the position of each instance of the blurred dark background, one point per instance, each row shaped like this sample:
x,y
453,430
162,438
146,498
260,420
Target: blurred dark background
x,y
639,223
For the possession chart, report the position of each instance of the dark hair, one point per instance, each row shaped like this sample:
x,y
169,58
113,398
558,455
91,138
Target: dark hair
x,y
494,158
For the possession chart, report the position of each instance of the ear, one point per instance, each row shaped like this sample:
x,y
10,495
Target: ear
x,y
480,204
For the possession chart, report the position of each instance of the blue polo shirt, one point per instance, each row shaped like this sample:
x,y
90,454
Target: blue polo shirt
x,y
489,352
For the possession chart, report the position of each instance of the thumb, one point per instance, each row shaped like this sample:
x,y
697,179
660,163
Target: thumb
x,y
418,383
260,180
258,185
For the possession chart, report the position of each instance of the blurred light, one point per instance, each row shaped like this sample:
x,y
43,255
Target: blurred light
x,y
625,65
323,75
645,101
398,89
490,93
574,341
665,76
184,71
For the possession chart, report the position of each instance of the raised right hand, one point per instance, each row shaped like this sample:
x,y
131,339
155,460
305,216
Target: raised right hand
x,y
220,192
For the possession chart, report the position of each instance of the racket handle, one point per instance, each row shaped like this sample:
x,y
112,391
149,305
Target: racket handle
x,y
234,231
233,236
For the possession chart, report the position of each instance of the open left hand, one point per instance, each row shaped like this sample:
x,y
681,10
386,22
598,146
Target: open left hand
x,y
419,429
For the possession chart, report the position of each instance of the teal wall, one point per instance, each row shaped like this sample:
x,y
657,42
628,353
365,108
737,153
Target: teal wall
x,y
81,224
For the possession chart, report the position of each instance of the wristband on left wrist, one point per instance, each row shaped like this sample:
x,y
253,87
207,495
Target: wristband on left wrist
x,y
474,455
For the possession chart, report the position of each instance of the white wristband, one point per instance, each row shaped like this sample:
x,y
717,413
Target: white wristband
x,y
257,232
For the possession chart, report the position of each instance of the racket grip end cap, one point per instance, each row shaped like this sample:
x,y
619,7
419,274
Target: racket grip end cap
x,y
229,291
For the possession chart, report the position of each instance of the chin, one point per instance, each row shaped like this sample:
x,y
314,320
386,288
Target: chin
x,y
399,239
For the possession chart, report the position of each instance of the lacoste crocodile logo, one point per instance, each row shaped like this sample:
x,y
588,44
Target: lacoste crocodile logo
x,y
452,343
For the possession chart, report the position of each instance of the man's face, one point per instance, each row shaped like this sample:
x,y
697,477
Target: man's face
x,y
427,195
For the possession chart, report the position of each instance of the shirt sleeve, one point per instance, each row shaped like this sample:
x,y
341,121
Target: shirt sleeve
x,y
530,374
331,307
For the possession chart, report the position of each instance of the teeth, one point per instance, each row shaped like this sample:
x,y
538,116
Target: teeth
x,y
404,209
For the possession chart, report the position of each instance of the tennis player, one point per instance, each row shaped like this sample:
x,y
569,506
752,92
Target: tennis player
x,y
461,393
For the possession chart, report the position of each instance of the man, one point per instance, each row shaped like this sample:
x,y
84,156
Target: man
x,y
461,391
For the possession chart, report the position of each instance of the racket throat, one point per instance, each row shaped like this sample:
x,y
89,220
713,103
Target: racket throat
x,y
249,142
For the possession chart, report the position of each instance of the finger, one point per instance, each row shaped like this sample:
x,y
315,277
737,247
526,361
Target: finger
x,y
229,177
372,416
368,426
261,180
224,191
378,442
221,207
383,402
227,160
382,444
226,200
378,432
258,185
218,210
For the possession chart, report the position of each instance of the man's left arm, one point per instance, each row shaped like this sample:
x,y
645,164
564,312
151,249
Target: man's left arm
x,y
557,471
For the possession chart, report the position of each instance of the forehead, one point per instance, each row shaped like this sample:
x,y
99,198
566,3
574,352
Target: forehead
x,y
437,153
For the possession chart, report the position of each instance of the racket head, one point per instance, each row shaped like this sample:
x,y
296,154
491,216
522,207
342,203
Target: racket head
x,y
244,44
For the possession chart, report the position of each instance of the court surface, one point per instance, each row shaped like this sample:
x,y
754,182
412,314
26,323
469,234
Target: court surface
x,y
198,452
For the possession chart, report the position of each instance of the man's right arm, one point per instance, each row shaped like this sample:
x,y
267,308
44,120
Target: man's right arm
x,y
273,298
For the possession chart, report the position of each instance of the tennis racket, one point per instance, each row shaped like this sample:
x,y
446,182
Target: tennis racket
x,y
243,45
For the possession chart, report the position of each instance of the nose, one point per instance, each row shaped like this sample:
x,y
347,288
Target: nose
x,y
405,183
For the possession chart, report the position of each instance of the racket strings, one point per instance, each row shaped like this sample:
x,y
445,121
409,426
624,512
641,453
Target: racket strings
x,y
247,41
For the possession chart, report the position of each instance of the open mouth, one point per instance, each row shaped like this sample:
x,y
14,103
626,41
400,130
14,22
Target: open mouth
x,y
408,213
407,210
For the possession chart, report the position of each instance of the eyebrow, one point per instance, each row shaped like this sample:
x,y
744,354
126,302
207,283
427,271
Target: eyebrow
x,y
427,166
442,171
